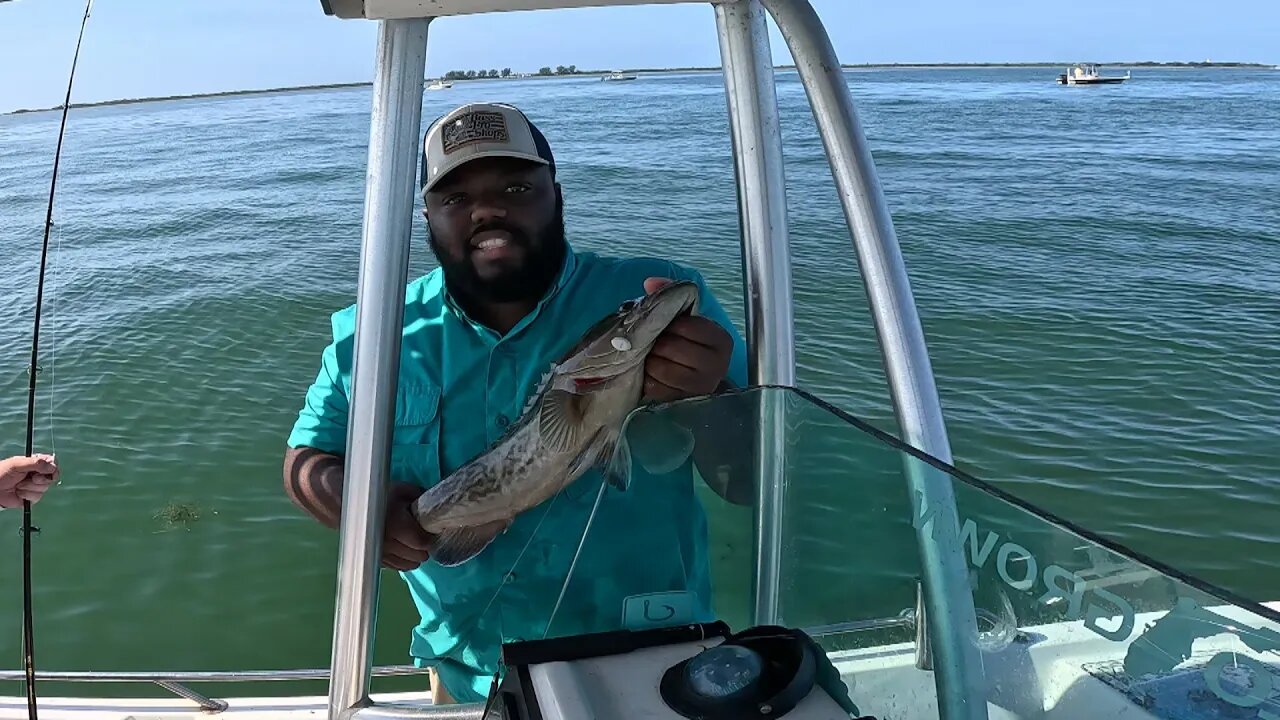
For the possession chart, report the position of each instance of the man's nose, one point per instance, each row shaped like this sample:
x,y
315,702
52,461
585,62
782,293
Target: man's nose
x,y
487,211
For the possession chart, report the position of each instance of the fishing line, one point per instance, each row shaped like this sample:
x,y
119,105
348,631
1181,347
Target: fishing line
x,y
53,338
582,541
520,556
572,564
33,370
600,496
502,585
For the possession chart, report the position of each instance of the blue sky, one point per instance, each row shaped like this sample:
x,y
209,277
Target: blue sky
x,y
136,48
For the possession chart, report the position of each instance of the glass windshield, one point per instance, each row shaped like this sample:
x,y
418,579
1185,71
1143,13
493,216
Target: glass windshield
x,y
1068,627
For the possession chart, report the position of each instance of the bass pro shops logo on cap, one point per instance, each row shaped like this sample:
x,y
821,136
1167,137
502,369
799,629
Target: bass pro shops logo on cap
x,y
479,131
474,127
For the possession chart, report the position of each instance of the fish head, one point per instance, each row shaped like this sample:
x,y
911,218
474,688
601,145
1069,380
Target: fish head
x,y
621,341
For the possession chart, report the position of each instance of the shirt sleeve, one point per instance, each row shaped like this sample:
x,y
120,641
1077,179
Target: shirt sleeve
x,y
322,422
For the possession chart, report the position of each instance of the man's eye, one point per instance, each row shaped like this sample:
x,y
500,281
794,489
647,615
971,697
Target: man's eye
x,y
453,199
518,188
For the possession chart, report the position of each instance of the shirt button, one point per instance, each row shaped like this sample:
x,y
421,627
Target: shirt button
x,y
503,421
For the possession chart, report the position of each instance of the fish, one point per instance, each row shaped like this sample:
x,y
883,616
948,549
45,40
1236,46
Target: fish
x,y
571,423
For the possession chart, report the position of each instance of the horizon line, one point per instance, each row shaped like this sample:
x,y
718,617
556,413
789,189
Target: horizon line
x,y
666,70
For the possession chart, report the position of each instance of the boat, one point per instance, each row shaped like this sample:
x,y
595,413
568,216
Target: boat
x,y
993,609
1087,74
440,85
619,76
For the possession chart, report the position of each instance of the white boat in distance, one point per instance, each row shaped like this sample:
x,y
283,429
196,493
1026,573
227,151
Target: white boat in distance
x,y
618,75
1087,74
440,85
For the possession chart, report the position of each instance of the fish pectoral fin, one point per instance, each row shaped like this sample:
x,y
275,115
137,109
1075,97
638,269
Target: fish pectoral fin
x,y
593,455
454,547
617,469
560,420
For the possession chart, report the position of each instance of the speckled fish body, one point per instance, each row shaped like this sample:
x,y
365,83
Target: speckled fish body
x,y
571,424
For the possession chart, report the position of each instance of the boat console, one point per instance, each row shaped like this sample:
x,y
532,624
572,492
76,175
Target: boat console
x,y
699,672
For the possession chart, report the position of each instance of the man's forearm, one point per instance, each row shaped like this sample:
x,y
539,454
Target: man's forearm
x,y
313,481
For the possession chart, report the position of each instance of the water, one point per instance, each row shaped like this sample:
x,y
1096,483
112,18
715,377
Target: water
x,y
1097,269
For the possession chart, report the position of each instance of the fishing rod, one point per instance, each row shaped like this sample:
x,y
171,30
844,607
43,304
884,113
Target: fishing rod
x,y
28,631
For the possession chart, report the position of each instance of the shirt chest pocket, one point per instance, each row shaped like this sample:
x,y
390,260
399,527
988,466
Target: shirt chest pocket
x,y
415,443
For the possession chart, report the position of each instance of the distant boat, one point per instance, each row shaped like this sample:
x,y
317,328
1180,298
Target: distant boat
x,y
1087,74
618,75
440,85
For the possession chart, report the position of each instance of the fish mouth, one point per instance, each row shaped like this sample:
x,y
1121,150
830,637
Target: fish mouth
x,y
667,304
625,343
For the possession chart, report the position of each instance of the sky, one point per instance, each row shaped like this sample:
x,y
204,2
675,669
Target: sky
x,y
141,48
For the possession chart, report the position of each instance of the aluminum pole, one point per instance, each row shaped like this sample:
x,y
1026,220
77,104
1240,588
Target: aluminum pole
x,y
952,622
766,256
384,265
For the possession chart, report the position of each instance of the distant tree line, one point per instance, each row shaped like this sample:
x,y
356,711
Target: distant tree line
x,y
506,72
476,74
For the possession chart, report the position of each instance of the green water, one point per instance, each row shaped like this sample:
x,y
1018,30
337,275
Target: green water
x,y
1096,269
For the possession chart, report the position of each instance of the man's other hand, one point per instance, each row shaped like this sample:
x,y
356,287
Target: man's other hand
x,y
405,544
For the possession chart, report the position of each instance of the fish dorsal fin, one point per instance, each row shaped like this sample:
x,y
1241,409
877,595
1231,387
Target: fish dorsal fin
x,y
560,419
536,395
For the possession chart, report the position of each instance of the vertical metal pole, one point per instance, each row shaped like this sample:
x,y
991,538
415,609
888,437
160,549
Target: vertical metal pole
x,y
762,200
384,265
952,627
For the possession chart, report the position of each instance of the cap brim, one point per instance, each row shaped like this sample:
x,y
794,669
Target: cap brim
x,y
444,171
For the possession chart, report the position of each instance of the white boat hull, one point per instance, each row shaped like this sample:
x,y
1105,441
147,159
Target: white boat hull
x,y
1050,672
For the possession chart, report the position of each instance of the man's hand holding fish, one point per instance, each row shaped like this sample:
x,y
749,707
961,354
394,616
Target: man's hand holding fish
x,y
690,358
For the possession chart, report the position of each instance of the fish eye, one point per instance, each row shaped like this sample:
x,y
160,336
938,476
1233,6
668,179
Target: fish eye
x,y
628,306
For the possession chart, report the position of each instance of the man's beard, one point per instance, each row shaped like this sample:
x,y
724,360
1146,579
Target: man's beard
x,y
530,281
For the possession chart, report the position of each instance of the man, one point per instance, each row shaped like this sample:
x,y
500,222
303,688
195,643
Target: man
x,y
511,297
26,478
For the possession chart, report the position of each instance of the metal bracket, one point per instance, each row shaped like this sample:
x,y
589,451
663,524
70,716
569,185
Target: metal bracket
x,y
924,651
209,705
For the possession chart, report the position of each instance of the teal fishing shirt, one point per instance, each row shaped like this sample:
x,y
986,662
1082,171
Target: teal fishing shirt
x,y
645,558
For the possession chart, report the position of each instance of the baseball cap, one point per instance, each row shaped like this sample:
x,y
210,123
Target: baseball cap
x,y
480,130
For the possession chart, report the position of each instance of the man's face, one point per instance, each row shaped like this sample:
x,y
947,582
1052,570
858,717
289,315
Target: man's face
x,y
496,225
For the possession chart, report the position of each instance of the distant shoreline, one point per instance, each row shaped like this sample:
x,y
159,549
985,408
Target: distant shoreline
x,y
650,71
196,96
